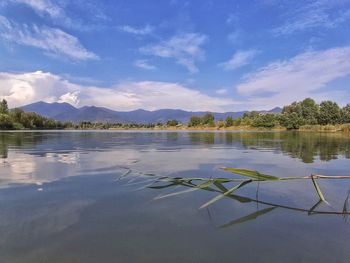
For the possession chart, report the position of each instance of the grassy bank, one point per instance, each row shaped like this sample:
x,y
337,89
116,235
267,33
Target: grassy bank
x,y
305,128
326,128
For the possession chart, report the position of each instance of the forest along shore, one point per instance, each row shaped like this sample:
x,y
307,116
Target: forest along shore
x,y
305,115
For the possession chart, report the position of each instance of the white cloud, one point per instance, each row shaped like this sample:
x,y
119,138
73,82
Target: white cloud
x,y
142,63
52,40
315,14
184,48
239,59
302,76
43,7
24,88
70,97
137,31
221,91
56,11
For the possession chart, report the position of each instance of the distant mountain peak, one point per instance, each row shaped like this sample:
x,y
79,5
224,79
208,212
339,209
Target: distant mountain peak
x,y
64,111
276,110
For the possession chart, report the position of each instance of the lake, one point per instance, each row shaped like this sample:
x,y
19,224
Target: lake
x,y
84,196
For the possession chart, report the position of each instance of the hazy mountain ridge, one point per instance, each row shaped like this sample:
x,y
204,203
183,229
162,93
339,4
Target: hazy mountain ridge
x,y
67,112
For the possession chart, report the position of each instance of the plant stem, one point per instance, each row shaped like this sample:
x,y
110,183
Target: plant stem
x,y
318,190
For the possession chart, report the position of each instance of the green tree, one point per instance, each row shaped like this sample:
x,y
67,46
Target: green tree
x,y
194,121
172,123
250,114
229,121
329,113
237,121
5,121
31,120
16,114
68,124
309,111
295,107
265,120
246,121
208,119
291,120
345,114
220,123
4,109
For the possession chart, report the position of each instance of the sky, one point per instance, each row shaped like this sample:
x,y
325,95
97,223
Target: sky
x,y
199,55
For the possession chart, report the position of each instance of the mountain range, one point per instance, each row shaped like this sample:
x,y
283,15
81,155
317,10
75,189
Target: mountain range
x,y
67,112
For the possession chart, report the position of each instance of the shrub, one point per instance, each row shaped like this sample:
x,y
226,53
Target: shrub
x,y
194,121
5,121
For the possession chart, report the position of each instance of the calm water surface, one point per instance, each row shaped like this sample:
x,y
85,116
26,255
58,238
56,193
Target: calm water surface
x,y
81,197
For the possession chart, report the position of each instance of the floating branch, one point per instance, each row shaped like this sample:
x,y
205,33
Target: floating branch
x,y
255,176
264,177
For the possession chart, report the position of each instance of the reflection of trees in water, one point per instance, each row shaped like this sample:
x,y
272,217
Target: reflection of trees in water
x,y
303,145
3,147
18,139
202,137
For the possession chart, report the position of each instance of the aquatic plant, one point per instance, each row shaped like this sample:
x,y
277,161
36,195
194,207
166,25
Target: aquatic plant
x,y
218,185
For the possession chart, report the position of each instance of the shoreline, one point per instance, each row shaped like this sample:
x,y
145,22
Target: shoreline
x,y
309,128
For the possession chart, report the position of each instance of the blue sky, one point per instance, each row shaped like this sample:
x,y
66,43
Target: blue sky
x,y
193,55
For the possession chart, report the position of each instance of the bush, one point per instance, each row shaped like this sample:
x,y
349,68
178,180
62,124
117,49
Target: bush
x,y
237,122
194,121
208,120
172,123
291,121
17,126
229,121
265,121
329,113
5,122
220,124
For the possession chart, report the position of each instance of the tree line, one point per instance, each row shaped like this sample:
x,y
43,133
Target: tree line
x,y
17,119
293,116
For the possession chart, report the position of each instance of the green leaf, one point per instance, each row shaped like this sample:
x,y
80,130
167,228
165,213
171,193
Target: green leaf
x,y
206,184
318,190
180,179
220,186
241,199
218,197
249,217
251,173
162,186
176,193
